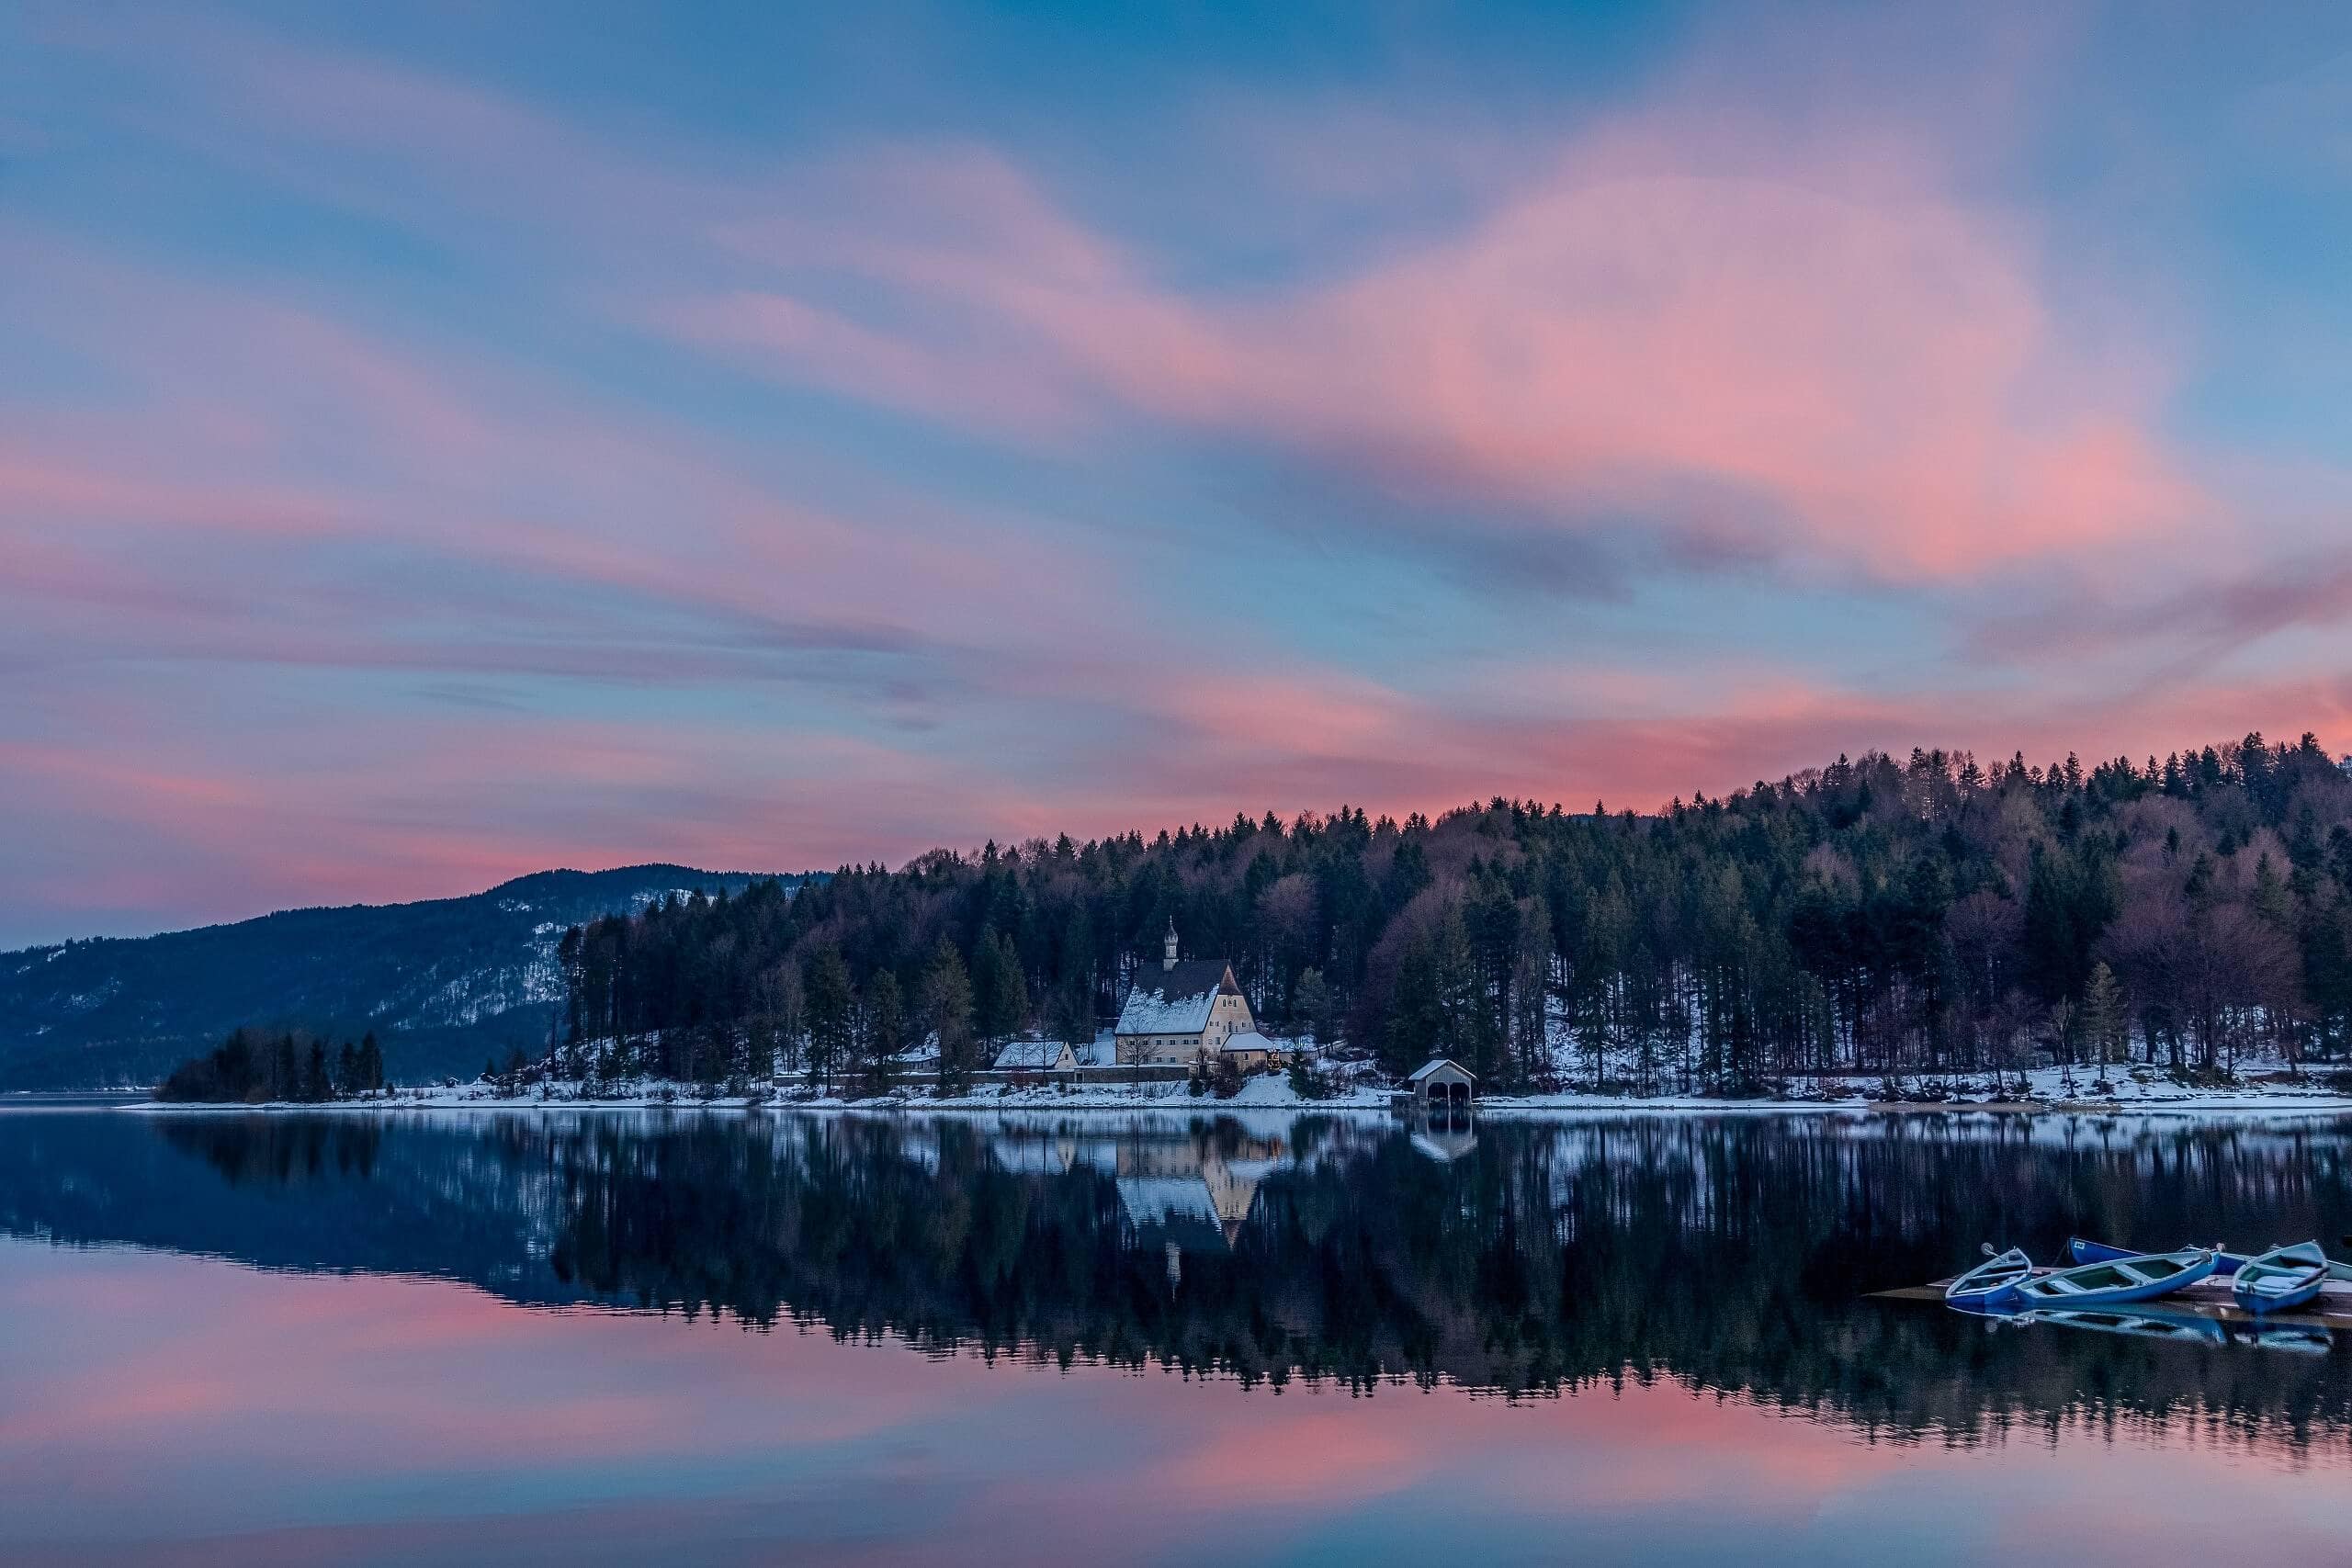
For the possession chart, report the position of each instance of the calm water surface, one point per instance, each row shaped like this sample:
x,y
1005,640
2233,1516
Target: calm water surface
x,y
621,1337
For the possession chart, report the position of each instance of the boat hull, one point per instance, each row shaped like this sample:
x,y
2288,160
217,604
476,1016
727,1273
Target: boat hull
x,y
2283,1279
2083,1251
1991,1283
2287,1301
2116,1281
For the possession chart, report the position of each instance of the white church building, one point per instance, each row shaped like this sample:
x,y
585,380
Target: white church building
x,y
1187,1008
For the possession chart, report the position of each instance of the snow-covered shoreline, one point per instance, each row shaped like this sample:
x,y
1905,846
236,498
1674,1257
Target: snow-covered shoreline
x,y
2125,1097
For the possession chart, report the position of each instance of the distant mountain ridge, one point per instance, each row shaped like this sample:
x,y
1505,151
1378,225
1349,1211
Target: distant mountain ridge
x,y
444,982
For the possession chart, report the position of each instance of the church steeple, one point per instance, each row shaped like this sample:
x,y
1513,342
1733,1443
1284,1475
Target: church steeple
x,y
1168,948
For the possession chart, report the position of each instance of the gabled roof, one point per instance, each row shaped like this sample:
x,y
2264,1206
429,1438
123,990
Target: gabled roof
x,y
1434,1062
1174,1001
1248,1040
1031,1055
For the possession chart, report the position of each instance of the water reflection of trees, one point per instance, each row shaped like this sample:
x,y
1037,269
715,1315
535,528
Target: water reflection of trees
x,y
1732,1254
279,1150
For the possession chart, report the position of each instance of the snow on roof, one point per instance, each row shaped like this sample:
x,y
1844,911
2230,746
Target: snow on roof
x,y
1248,1040
1033,1054
1174,1001
1434,1062
1038,1055
1158,1200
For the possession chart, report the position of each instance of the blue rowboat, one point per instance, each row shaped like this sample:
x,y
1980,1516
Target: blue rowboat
x,y
2139,1277
1991,1283
2281,1278
2083,1251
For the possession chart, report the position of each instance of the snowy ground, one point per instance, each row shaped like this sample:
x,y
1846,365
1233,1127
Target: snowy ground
x,y
2046,1091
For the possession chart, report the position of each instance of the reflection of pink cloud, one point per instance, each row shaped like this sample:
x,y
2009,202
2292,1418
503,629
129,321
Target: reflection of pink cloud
x,y
1303,1456
382,1417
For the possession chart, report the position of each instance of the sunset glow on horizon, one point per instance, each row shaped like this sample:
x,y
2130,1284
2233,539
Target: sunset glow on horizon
x,y
439,446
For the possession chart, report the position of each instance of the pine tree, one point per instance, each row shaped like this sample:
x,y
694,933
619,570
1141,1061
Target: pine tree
x,y
885,1034
999,994
2271,900
2102,1019
833,1006
947,1011
1310,999
1073,1018
1417,1018
1531,997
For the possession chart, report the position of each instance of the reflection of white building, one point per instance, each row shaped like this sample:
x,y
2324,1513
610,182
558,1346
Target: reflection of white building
x,y
1053,1154
1446,1139
1178,1186
1188,1191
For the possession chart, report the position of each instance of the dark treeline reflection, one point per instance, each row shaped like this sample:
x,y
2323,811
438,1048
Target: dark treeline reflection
x,y
1734,1254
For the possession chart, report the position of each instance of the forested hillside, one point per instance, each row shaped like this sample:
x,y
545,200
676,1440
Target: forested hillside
x,y
1877,916
443,983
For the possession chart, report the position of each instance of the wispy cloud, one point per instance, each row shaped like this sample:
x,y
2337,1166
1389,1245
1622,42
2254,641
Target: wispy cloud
x,y
1859,368
413,468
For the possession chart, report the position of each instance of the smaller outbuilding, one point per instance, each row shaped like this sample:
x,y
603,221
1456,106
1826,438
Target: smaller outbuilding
x,y
1251,1052
1442,1081
1052,1057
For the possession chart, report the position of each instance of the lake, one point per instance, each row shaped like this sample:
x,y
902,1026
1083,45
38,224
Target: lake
x,y
583,1337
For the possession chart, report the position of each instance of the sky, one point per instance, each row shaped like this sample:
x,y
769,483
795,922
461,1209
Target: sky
x,y
442,442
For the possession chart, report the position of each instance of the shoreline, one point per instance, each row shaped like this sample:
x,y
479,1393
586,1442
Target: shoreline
x,y
2244,1106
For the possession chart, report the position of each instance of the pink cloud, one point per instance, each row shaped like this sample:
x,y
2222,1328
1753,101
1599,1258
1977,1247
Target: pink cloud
x,y
43,488
767,329
261,520
1856,365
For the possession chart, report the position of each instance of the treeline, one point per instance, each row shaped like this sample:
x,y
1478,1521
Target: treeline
x,y
1879,916
253,1068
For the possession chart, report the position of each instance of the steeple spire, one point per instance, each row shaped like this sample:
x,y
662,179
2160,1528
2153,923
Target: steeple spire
x,y
1168,948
